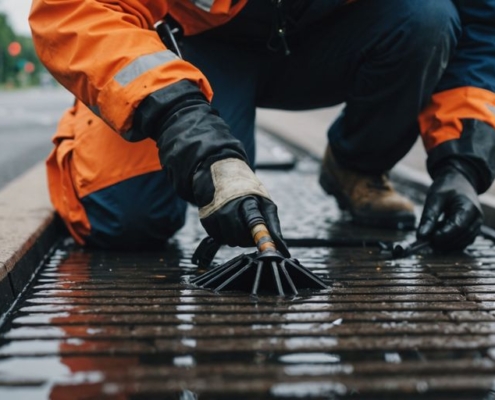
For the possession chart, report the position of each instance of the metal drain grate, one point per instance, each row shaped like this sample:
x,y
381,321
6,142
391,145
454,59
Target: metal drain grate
x,y
115,325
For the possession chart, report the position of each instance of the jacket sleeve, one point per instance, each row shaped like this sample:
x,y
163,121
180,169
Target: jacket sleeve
x,y
108,54
459,123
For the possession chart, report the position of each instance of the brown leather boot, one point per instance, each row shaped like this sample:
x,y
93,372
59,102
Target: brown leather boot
x,y
370,199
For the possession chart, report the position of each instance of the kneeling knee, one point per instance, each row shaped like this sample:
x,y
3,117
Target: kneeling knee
x,y
134,235
432,23
133,229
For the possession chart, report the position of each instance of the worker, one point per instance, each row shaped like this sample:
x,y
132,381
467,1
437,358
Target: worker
x,y
161,121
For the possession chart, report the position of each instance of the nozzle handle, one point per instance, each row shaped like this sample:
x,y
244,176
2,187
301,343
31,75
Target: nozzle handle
x,y
404,249
256,223
205,252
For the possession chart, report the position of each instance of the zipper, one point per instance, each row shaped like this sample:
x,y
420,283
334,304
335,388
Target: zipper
x,y
278,37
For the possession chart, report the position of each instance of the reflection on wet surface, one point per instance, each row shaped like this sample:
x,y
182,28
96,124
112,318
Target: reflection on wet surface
x,y
116,325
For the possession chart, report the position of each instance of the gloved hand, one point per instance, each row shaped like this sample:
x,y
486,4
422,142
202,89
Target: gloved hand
x,y
452,214
220,189
204,162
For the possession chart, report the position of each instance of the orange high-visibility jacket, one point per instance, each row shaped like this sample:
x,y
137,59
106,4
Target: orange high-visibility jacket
x,y
108,54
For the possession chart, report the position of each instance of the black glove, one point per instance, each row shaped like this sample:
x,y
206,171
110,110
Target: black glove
x,y
220,188
452,214
192,139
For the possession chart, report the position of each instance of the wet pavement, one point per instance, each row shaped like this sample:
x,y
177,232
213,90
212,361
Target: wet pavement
x,y
116,325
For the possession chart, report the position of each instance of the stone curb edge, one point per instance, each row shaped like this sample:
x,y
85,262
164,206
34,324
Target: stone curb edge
x,y
28,230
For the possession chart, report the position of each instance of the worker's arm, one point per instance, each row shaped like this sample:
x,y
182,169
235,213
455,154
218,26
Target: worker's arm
x,y
458,130
109,56
205,163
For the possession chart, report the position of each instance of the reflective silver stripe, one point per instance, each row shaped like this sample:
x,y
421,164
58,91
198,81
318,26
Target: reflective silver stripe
x,y
205,5
142,64
491,108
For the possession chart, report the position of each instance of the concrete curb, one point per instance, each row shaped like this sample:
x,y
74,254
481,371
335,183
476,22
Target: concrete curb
x,y
28,229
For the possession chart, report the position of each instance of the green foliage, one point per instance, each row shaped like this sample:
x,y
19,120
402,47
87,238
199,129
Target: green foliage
x,y
13,68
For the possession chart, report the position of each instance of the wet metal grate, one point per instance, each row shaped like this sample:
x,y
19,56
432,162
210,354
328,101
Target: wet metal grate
x,y
115,325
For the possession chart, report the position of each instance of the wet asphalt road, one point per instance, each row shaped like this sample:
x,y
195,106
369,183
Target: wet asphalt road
x,y
28,119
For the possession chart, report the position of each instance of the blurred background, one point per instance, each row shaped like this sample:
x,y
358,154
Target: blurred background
x,y
31,101
19,66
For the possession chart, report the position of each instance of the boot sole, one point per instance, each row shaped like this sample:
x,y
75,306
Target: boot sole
x,y
401,220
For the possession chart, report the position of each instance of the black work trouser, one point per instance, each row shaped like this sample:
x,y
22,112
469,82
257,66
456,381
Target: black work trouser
x,y
381,58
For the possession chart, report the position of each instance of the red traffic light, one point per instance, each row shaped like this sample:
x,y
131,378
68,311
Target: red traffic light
x,y
29,67
14,49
